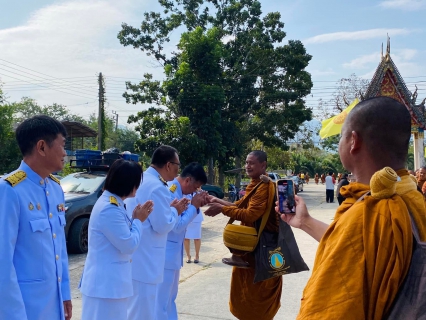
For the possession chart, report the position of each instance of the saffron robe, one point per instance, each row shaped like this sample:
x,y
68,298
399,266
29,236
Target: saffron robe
x,y
364,255
248,300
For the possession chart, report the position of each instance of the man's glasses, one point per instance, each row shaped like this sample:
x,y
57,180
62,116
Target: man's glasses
x,y
176,163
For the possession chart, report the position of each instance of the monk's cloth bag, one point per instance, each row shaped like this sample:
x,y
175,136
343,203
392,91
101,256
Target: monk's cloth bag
x,y
277,254
245,238
410,302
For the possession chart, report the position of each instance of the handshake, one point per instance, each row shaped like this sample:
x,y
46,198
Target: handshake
x,y
201,198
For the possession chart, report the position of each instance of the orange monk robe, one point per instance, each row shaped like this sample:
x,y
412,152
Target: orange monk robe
x,y
248,300
364,255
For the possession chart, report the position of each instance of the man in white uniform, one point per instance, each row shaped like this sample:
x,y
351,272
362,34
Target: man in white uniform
x,y
191,178
149,258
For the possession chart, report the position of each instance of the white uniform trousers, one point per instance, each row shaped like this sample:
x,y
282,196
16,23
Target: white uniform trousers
x,y
166,296
104,308
142,303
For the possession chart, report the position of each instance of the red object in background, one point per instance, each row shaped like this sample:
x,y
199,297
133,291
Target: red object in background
x,y
242,193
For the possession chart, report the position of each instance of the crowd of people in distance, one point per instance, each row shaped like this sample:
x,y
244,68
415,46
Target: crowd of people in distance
x,y
139,224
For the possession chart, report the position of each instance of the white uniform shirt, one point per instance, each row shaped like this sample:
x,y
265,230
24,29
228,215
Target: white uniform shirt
x,y
149,258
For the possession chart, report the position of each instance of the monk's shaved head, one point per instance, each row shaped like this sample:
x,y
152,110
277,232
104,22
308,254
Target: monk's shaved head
x,y
384,126
260,155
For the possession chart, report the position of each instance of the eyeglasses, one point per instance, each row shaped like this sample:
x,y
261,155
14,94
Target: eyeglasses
x,y
176,163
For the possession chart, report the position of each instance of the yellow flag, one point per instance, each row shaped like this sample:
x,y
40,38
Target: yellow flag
x,y
333,126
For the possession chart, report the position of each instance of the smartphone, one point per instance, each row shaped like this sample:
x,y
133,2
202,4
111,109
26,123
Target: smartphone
x,y
285,196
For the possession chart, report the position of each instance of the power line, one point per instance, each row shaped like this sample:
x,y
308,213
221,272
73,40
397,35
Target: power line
x,y
30,70
24,75
52,89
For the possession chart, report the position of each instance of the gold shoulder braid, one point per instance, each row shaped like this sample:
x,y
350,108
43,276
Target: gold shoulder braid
x,y
113,201
162,180
51,176
173,188
16,178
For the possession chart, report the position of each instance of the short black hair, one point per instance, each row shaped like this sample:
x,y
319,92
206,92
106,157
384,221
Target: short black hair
x,y
123,177
260,155
162,155
384,124
196,171
330,173
34,129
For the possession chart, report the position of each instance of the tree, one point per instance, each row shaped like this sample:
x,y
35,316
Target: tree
x,y
261,83
157,127
9,151
348,89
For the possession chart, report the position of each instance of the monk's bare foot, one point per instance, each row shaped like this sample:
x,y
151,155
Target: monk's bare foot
x,y
236,261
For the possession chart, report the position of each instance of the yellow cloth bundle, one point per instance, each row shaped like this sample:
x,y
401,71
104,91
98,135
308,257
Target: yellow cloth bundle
x,y
383,183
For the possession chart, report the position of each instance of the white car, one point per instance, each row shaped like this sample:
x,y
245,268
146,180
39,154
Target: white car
x,y
274,176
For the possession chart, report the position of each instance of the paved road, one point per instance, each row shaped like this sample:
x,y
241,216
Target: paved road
x,y
204,288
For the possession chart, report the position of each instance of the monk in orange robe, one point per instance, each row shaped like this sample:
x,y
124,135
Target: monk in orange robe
x,y
421,177
248,300
364,255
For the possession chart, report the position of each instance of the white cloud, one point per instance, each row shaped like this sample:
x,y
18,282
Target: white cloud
x,y
75,39
357,35
404,60
408,5
363,61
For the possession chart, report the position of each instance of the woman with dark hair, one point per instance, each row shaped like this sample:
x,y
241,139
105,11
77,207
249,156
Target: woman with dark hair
x,y
106,283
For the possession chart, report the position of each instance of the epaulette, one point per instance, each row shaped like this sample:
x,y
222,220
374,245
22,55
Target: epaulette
x,y
51,176
162,180
113,201
173,188
16,178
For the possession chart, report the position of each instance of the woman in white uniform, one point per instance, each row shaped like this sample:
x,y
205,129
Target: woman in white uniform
x,y
106,283
193,231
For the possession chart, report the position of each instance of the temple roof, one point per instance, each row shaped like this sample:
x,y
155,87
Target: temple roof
x,y
387,81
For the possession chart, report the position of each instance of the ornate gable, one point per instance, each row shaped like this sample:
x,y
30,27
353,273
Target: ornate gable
x,y
388,82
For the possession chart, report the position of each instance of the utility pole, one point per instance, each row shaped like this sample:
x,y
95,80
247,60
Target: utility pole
x,y
116,119
101,109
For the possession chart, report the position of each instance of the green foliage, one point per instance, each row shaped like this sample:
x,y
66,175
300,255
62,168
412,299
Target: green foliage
x,y
66,170
231,78
10,154
157,127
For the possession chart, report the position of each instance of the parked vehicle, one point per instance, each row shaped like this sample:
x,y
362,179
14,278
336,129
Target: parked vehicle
x,y
242,192
274,176
298,183
233,193
213,190
82,190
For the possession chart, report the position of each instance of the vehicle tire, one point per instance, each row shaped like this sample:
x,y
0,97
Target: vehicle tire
x,y
214,194
78,237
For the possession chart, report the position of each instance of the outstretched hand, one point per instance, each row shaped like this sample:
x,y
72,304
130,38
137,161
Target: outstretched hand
x,y
295,220
213,210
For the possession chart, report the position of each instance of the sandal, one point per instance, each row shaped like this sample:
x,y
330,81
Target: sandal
x,y
196,261
189,260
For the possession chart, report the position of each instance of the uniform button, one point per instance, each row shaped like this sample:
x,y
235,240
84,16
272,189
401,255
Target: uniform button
x,y
59,279
41,181
54,236
57,257
47,193
50,215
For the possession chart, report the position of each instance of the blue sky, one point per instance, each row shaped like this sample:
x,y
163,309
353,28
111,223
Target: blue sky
x,y
70,42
